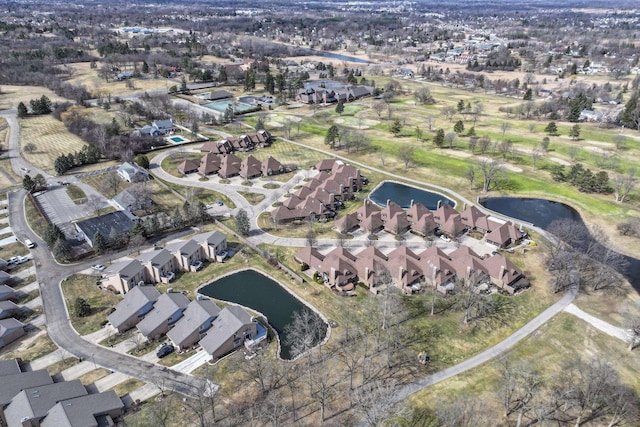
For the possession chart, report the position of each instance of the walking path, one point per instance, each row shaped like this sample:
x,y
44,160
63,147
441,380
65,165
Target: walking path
x,y
599,324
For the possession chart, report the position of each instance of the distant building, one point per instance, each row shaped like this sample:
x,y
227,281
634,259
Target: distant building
x,y
114,222
132,173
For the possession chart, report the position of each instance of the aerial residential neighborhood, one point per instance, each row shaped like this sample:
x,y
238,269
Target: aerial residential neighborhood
x,y
319,213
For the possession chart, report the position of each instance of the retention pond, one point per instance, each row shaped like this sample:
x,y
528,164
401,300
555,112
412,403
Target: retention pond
x,y
403,195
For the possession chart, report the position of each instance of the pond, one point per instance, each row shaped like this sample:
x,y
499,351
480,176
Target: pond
x,y
403,195
261,293
338,56
542,212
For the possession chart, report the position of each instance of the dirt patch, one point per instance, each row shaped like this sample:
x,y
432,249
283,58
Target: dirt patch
x,y
560,161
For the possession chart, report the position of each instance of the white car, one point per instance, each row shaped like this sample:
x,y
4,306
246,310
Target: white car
x,y
98,267
22,260
445,238
28,243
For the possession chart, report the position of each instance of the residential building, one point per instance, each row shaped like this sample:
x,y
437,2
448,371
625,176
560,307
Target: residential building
x,y
448,220
504,235
3,265
160,265
131,172
271,167
404,267
13,384
167,310
9,367
8,309
250,168
186,252
213,244
229,166
7,292
209,164
229,331
31,405
164,127
196,320
129,200
504,274
92,410
188,166
371,265
125,275
136,303
10,330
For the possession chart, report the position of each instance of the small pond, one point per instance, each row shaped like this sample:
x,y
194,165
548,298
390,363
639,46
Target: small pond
x,y
261,293
403,195
542,212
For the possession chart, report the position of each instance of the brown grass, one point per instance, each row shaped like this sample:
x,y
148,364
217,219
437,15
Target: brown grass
x,y
29,348
101,302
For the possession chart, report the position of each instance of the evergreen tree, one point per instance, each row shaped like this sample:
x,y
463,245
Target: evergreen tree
x,y
176,220
269,83
551,128
528,95
242,222
138,230
61,250
396,127
142,161
39,182
222,74
630,115
458,127
332,136
22,110
81,308
28,184
340,107
99,243
145,67
460,106
439,138
574,132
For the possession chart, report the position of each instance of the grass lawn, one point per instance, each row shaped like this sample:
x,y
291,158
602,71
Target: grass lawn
x,y
8,178
51,139
127,386
13,249
561,339
60,366
96,180
93,376
252,198
176,357
170,163
101,302
36,221
76,194
31,348
208,197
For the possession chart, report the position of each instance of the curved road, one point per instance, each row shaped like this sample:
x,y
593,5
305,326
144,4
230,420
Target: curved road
x,y
50,274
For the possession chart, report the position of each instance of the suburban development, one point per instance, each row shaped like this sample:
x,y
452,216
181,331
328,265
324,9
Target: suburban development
x,y
319,213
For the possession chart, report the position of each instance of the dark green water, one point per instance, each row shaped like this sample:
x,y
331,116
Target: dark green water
x,y
404,194
259,292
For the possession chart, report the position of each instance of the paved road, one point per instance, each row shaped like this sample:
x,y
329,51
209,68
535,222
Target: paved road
x,y
601,325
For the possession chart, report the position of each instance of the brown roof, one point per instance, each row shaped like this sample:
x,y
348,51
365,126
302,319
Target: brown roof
x,y
503,233
188,166
229,165
470,216
424,225
371,223
271,166
325,165
367,209
210,163
416,211
347,223
390,210
397,224
500,269
309,256
250,167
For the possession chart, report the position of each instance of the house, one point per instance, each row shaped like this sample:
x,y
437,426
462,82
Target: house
x,y
147,130
338,269
347,223
504,235
437,269
372,224
196,320
271,167
187,253
7,293
131,172
504,274
8,309
209,164
468,264
394,219
250,168
217,147
448,220
164,127
136,303
125,275
371,266
128,200
213,244
404,267
188,166
229,331
9,367
166,311
107,225
471,217
31,405
13,384
10,330
425,225
160,265
92,410
229,166
309,256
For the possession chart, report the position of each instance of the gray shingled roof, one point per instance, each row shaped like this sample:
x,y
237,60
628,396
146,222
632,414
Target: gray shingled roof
x,y
9,367
186,248
117,221
82,411
163,309
157,258
133,301
230,321
197,313
126,269
34,403
14,384
211,238
6,292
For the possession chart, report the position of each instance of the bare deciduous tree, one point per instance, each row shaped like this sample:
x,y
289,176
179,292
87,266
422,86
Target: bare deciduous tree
x,y
490,169
624,184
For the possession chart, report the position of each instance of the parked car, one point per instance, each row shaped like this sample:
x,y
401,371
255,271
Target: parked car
x,y
13,260
22,259
197,265
445,238
165,350
219,202
98,267
28,243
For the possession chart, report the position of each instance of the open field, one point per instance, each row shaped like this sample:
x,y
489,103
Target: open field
x,y
563,338
13,95
7,177
29,347
101,302
51,139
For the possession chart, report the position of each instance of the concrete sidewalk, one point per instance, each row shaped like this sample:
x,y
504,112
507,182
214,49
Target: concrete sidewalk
x,y
599,324
192,363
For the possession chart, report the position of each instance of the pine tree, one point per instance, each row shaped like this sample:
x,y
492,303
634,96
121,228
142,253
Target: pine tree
x,y
439,138
332,136
340,107
145,67
269,83
99,243
28,184
396,127
242,222
458,127
551,128
22,110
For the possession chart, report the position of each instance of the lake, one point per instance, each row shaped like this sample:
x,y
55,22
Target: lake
x,y
542,212
261,293
403,195
338,56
